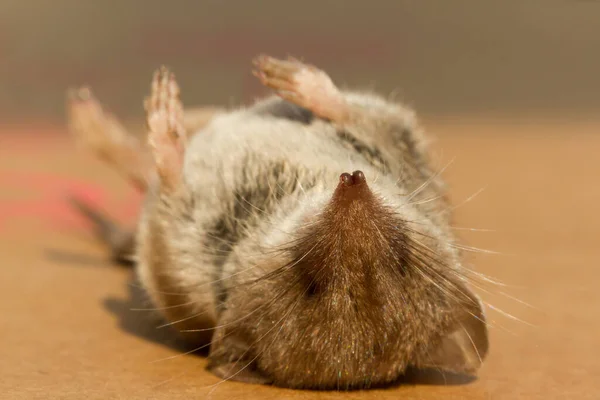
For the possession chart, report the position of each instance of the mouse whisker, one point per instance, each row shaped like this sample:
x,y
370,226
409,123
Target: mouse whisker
x,y
194,350
428,181
189,303
472,343
518,300
472,283
474,249
274,300
299,183
424,201
252,312
460,228
260,253
468,199
278,323
424,269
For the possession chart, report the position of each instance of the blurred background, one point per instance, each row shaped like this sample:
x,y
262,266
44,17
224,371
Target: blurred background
x,y
510,88
501,58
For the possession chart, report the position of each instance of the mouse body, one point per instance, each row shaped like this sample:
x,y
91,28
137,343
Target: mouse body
x,y
305,238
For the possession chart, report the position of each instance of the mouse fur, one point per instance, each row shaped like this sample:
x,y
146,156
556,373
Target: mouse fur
x,y
310,247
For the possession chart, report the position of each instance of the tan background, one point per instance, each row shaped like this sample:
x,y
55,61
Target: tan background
x,y
460,56
510,90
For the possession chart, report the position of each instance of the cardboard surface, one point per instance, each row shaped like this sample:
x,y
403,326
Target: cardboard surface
x,y
68,331
67,328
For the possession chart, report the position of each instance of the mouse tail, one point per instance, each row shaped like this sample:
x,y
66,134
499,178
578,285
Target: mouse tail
x,y
119,241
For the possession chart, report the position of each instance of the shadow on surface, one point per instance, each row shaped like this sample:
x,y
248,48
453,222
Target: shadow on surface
x,y
432,376
135,317
144,324
70,258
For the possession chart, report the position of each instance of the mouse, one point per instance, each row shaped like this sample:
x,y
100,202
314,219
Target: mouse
x,y
304,239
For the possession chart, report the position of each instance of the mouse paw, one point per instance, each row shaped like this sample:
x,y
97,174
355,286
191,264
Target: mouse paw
x,y
302,84
91,125
104,134
167,133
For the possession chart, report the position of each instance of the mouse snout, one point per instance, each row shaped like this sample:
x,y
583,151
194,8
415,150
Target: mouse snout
x,y
351,187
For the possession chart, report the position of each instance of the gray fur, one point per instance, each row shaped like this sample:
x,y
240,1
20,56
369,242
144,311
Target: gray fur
x,y
255,180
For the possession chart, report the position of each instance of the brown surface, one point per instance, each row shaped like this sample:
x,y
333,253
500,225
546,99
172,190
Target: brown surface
x,y
68,331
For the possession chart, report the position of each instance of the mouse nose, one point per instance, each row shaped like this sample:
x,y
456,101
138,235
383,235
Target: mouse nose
x,y
356,178
351,187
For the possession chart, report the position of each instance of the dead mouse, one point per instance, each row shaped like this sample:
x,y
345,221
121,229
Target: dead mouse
x,y
305,238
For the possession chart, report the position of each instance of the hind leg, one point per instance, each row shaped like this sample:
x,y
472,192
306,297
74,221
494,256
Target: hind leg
x,y
107,138
104,135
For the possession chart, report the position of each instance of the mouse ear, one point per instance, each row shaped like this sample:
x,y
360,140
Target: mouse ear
x,y
464,347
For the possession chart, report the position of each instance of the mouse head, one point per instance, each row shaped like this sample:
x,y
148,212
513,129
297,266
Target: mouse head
x,y
365,288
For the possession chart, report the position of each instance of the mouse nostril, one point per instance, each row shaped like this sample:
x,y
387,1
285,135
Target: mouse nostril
x,y
346,179
352,187
358,177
